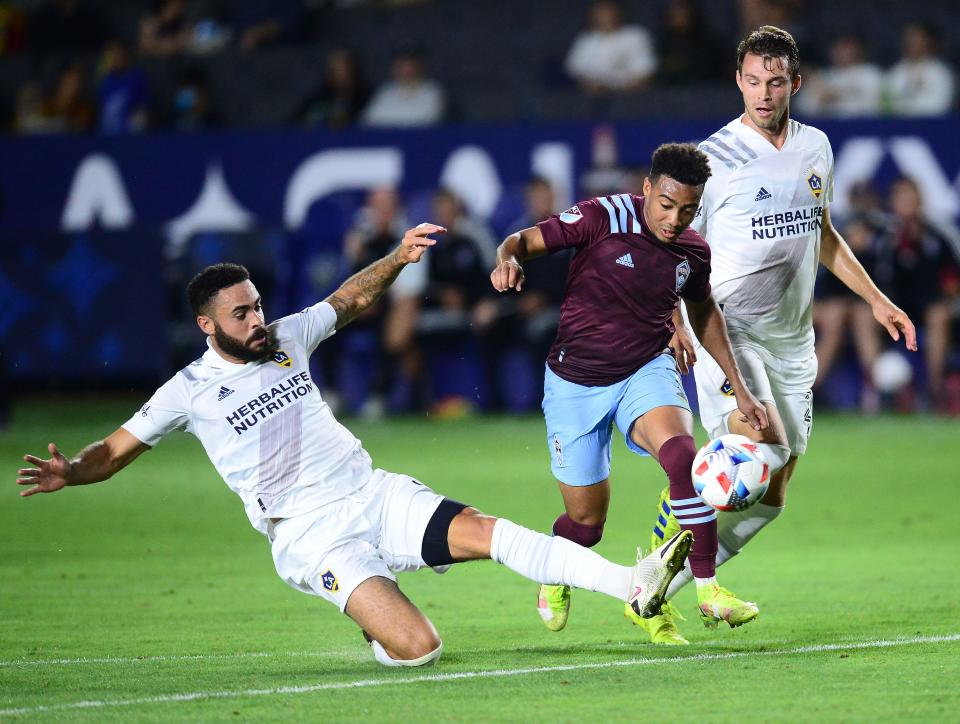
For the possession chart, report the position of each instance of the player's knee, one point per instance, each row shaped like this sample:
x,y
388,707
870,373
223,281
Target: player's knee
x,y
587,531
424,654
775,455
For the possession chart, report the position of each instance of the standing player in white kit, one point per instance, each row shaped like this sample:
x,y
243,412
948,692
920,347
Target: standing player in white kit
x,y
765,214
339,528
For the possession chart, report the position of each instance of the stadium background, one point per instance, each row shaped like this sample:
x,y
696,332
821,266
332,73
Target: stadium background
x,y
151,586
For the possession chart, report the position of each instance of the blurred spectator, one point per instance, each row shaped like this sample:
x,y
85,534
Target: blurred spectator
x,y
174,27
917,269
193,107
527,322
409,99
67,109
379,228
849,87
260,23
67,26
688,51
343,95
611,56
837,312
123,92
921,84
13,29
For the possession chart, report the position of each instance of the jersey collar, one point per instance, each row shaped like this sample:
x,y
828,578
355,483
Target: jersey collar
x,y
212,358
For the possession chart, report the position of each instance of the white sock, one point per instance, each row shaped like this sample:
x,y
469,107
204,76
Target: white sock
x,y
733,532
554,560
711,581
381,655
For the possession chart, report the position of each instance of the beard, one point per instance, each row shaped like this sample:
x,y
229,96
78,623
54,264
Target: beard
x,y
242,350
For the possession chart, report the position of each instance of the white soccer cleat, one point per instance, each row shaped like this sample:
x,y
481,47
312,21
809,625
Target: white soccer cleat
x,y
652,575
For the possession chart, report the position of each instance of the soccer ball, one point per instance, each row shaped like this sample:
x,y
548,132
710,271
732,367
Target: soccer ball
x,y
729,473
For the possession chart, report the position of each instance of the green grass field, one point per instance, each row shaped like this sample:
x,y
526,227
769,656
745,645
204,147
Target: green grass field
x,y
149,597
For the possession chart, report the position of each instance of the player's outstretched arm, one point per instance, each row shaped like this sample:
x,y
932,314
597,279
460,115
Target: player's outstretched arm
x,y
711,329
837,257
516,249
97,461
365,287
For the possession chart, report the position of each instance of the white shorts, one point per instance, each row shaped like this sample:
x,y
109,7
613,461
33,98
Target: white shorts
x,y
377,530
788,384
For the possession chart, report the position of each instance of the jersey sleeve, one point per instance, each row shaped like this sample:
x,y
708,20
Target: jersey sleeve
x,y
312,325
697,288
828,192
166,411
577,226
712,194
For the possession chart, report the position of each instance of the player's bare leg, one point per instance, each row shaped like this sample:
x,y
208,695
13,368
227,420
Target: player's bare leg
x,y
390,619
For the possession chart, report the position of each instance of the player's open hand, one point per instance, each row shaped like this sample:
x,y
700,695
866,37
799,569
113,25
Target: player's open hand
x,y
48,476
895,321
416,241
507,274
681,343
752,410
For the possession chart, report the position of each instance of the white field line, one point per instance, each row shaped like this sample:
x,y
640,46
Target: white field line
x,y
492,673
335,653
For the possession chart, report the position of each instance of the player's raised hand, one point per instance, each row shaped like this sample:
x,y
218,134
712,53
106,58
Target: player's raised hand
x,y
48,476
507,274
416,241
895,321
683,349
752,410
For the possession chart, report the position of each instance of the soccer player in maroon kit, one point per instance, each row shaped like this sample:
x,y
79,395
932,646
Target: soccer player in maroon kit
x,y
611,361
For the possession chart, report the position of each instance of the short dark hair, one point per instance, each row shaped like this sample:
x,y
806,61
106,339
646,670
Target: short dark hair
x,y
211,280
683,162
769,41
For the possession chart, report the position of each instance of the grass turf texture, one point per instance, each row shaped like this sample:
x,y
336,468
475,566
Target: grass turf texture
x,y
156,579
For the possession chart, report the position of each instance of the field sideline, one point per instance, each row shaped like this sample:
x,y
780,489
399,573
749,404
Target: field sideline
x,y
149,597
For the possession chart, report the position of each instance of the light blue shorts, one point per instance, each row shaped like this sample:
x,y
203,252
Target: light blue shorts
x,y
580,418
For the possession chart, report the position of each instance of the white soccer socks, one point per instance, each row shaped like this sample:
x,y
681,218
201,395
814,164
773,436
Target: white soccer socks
x,y
734,530
383,657
554,560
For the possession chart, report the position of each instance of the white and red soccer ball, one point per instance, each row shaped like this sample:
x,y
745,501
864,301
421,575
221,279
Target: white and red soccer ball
x,y
729,473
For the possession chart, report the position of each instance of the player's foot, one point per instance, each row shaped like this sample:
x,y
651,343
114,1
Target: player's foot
x,y
718,604
553,604
666,526
662,629
652,575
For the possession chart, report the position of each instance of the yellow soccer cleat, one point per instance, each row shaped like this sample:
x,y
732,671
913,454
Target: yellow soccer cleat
x,y
718,604
553,605
666,525
662,629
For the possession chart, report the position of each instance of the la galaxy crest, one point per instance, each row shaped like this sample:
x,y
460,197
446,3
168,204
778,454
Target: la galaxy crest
x,y
330,581
282,359
683,273
815,183
726,388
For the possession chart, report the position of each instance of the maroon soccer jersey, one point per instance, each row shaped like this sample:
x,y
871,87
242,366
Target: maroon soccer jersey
x,y
622,288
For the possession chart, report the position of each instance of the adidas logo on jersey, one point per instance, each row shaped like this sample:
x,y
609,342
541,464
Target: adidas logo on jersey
x,y
626,260
225,392
763,195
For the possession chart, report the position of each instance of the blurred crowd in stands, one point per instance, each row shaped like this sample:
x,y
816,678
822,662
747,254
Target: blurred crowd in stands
x,y
92,65
84,66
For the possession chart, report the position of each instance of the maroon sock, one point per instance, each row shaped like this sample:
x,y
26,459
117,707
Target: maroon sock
x,y
585,535
676,457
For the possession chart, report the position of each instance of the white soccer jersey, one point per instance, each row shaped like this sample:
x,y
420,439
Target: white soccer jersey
x,y
264,426
762,213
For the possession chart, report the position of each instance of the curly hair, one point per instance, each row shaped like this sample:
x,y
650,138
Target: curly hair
x,y
682,162
211,280
769,41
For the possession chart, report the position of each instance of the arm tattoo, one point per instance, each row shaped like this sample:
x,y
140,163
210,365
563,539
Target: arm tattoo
x,y
363,289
